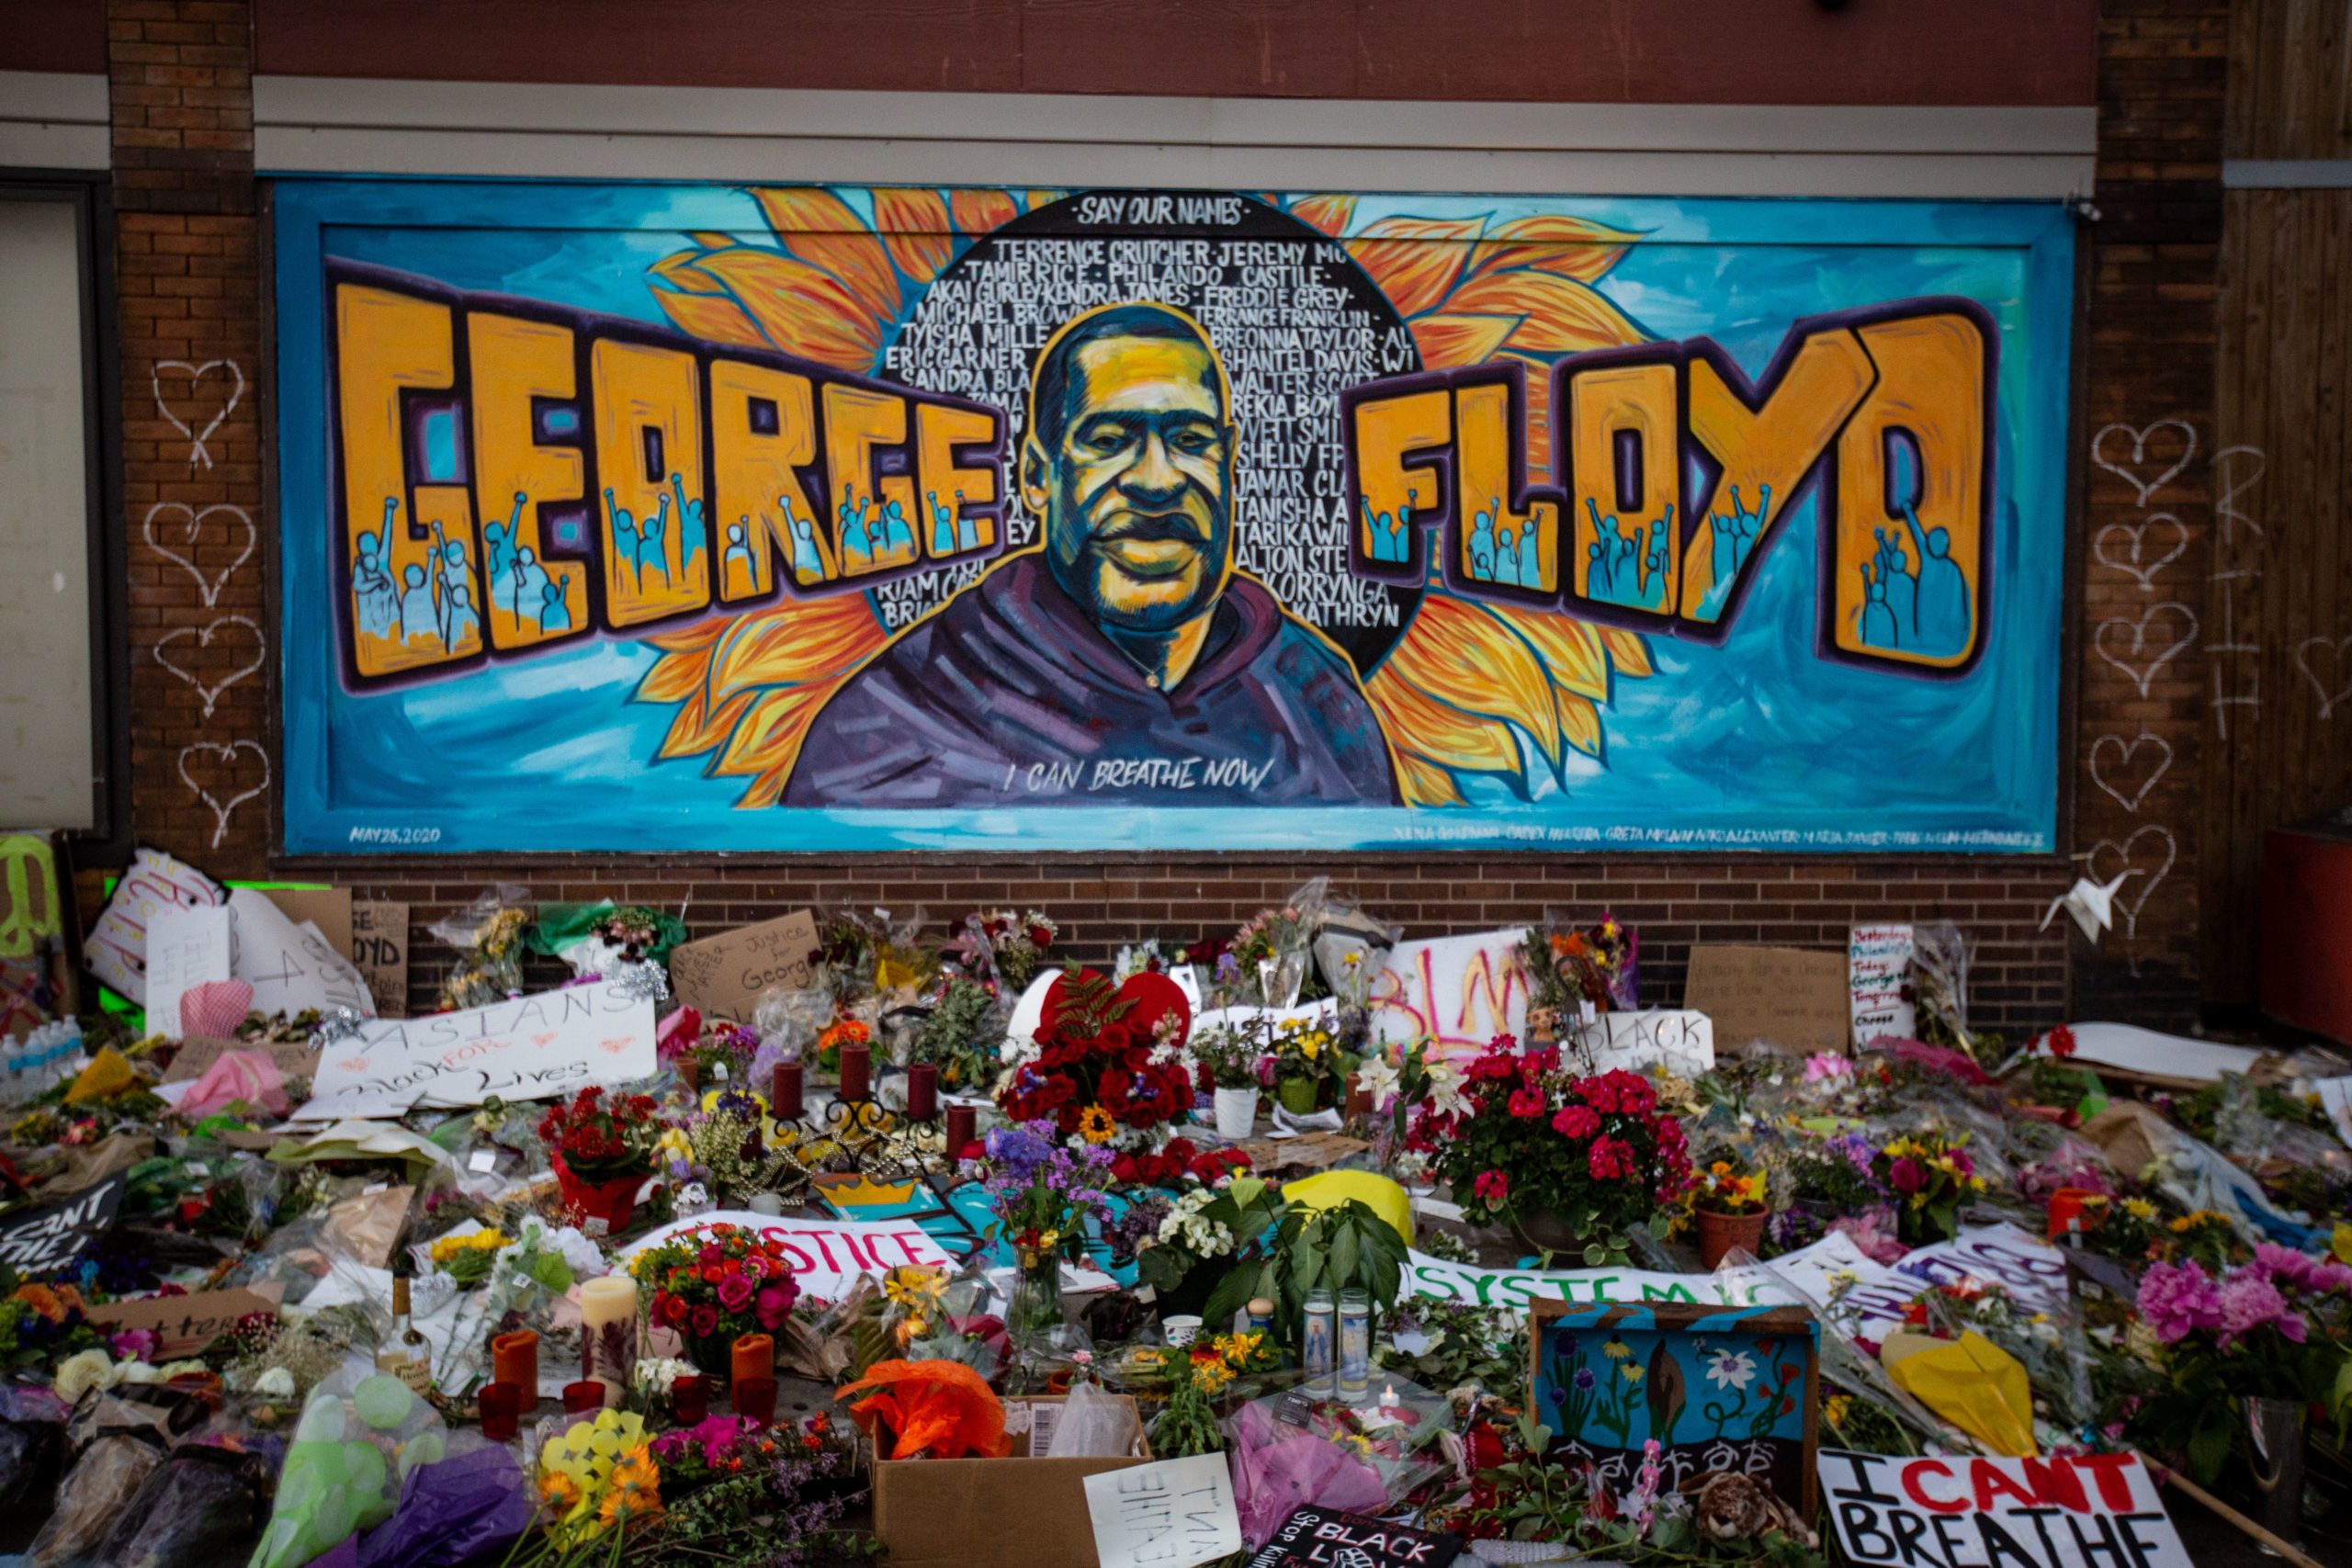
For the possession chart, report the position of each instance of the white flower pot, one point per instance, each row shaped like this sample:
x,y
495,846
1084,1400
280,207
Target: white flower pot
x,y
1236,1112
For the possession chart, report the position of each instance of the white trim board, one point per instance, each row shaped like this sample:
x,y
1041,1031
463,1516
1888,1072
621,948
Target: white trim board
x,y
333,125
2286,174
54,120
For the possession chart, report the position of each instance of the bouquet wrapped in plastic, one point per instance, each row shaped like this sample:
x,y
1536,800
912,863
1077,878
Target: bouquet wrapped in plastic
x,y
347,1466
202,1502
114,1442
32,1438
489,935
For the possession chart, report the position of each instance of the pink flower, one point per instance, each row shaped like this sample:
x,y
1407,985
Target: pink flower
x,y
1827,1068
775,1302
1905,1176
735,1292
1576,1122
2249,1301
2178,1299
1492,1186
1527,1103
705,1320
1609,1158
2300,1270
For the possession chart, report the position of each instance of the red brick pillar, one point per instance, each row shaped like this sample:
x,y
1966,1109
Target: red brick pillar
x,y
203,650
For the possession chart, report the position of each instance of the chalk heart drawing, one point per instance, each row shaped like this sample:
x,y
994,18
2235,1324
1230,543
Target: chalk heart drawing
x,y
2137,646
2334,657
2137,567
197,400
227,752
2169,442
192,524
169,657
2159,751
2129,856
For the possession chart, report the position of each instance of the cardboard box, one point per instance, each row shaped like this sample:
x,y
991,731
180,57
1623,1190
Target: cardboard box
x,y
1791,999
991,1513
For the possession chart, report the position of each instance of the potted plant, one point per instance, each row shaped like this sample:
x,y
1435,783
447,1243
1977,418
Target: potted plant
x,y
1308,1066
713,1284
1730,1206
1572,1162
1231,1062
600,1148
1045,1197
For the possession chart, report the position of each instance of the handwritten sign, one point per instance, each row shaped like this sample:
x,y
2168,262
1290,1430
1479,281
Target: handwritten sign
x,y
724,976
184,1325
116,950
184,947
1521,1288
42,1240
1170,1513
1788,997
2067,1511
1326,1538
826,1255
380,949
1878,976
292,968
1680,1041
535,1047
1461,991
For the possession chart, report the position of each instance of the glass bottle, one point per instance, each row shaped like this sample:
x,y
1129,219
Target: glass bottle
x,y
405,1353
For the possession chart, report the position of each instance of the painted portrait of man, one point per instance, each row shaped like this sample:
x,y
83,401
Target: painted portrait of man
x,y
1124,658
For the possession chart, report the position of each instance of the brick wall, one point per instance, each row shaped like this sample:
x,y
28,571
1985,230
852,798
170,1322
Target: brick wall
x,y
191,293
2147,429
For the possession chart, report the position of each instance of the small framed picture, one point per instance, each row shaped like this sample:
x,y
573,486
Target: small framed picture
x,y
1719,1387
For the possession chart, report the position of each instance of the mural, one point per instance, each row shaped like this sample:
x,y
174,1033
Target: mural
x,y
696,518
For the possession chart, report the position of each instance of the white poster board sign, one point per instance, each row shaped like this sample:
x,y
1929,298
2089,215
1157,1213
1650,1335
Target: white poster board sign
x,y
1517,1288
2067,1511
1460,991
292,968
2336,1094
184,947
1680,1041
1171,1513
827,1256
1878,966
537,1047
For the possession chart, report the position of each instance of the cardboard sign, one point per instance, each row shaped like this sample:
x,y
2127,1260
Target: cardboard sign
x,y
1326,1538
1787,997
184,1325
184,947
329,909
1171,1513
116,950
292,968
380,949
1679,1039
42,1240
536,1047
199,1052
724,976
825,1255
1460,991
1878,971
2067,1511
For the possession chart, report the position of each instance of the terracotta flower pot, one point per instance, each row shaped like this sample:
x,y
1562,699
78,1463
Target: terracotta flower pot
x,y
612,1201
1718,1234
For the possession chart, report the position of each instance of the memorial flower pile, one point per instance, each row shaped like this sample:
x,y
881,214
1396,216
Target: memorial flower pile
x,y
714,1282
1107,1062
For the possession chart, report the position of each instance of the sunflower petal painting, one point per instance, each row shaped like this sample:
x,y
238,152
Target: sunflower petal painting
x,y
699,518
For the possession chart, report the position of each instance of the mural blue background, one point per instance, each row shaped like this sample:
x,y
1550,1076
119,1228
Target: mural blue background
x,y
1755,743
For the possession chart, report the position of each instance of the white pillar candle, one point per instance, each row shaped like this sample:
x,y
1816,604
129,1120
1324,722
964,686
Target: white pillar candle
x,y
608,1333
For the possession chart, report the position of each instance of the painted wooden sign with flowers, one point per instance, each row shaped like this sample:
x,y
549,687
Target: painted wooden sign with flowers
x,y
1649,1397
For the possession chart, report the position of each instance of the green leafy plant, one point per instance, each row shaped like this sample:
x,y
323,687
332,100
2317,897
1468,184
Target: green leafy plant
x,y
1346,1246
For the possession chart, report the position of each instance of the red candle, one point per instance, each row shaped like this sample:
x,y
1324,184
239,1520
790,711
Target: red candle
x,y
753,1356
755,1400
582,1396
502,1410
690,1398
784,1092
690,1074
857,1068
514,1358
922,1091
962,1126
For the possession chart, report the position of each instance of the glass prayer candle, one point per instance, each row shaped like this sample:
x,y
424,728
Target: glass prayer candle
x,y
608,1332
755,1400
502,1411
690,1398
579,1398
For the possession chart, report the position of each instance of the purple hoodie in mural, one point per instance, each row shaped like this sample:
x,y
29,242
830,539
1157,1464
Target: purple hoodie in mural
x,y
1010,695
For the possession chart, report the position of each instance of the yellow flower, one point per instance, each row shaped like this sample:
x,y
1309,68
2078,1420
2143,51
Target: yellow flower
x,y
1633,1372
1835,1409
2139,1208
1616,1349
1049,1241
1094,1124
1240,1348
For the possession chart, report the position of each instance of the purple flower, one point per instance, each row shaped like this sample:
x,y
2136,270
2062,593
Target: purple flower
x,y
1585,1379
2249,1301
2177,1298
2300,1270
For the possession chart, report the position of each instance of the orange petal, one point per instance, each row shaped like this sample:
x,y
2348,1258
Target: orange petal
x,y
1416,725
820,228
679,673
1450,340
1629,656
769,734
1415,260
1038,199
801,309
979,212
1329,213
1581,725
696,729
1570,648
1552,241
1425,783
714,318
796,644
1463,657
1557,315
915,230
684,271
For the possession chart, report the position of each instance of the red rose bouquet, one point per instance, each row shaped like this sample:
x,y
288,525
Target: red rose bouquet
x,y
1594,1153
1105,1062
602,1149
713,1284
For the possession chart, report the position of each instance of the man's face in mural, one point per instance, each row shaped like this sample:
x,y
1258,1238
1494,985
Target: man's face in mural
x,y
1134,485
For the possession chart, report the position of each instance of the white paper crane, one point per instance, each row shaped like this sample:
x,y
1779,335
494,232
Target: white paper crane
x,y
2091,904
